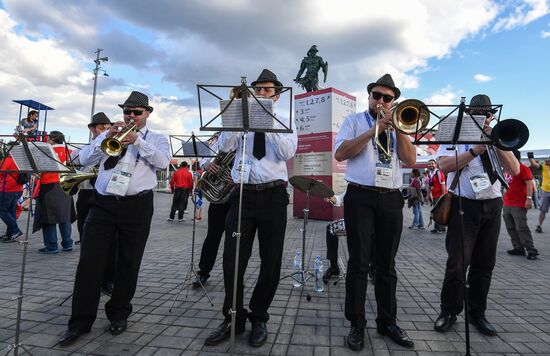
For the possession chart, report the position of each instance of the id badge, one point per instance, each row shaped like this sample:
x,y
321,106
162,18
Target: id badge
x,y
383,177
245,168
120,179
481,185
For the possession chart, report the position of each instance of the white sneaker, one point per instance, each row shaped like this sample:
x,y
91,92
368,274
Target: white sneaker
x,y
181,220
170,219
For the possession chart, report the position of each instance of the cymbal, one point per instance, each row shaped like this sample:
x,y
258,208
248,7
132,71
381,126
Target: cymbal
x,y
315,187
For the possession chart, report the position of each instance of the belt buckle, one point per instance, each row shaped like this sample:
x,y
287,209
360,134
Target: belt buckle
x,y
259,187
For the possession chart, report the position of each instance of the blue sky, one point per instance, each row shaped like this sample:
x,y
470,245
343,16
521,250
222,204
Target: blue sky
x,y
436,50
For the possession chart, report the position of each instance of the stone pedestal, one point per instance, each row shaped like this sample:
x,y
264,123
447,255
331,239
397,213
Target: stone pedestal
x,y
318,116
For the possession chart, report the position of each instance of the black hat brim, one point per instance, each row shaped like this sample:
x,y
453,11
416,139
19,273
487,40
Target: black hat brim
x,y
395,90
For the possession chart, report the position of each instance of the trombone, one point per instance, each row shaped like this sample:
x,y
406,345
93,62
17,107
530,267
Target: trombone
x,y
408,117
113,146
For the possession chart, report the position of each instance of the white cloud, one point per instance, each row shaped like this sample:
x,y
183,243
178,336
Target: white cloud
x,y
482,78
545,34
524,12
444,96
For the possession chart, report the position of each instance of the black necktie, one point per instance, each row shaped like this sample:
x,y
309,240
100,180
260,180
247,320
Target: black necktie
x,y
259,145
111,162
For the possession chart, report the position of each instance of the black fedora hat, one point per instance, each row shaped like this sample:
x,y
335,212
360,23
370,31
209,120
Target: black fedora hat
x,y
137,100
99,119
385,81
267,76
481,103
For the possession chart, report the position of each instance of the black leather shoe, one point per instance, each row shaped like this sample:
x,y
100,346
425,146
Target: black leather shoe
x,y
483,326
69,337
222,333
532,256
258,334
355,338
118,327
395,333
201,280
516,252
329,273
444,322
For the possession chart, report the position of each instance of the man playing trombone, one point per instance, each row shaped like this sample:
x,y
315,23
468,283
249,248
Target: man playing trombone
x,y
479,224
373,208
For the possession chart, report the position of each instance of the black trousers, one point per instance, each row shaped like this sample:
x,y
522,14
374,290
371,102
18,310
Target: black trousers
x,y
332,247
179,202
372,219
481,228
82,209
265,212
216,227
130,220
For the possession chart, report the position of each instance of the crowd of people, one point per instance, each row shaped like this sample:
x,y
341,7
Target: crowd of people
x,y
113,233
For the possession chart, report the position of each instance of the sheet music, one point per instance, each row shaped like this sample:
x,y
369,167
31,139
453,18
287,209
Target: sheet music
x,y
468,132
258,117
45,157
203,150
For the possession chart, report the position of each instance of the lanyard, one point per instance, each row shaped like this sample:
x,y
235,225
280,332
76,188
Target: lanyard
x,y
138,156
380,154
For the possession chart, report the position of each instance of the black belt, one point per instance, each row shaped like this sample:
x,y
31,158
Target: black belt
x,y
264,186
127,197
374,189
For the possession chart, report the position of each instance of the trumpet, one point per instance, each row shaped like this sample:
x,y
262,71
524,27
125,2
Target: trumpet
x,y
113,146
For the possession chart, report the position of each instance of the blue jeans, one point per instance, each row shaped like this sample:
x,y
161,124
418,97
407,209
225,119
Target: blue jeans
x,y
8,205
417,215
50,236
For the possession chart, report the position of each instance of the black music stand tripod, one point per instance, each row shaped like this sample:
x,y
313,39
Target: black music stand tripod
x,y
196,148
28,162
246,124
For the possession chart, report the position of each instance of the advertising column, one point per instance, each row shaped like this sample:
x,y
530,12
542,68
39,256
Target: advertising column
x,y
319,115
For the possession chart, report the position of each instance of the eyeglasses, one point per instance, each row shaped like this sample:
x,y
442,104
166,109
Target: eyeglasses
x,y
376,96
130,111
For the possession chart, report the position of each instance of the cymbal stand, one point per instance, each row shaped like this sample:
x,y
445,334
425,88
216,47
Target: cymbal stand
x,y
303,275
192,270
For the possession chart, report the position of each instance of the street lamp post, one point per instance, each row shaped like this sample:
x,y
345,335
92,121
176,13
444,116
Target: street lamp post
x,y
97,68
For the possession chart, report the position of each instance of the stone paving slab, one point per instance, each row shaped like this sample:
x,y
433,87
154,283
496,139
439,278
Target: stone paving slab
x,y
171,319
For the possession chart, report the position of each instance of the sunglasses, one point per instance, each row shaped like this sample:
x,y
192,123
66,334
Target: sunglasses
x,y
130,111
376,96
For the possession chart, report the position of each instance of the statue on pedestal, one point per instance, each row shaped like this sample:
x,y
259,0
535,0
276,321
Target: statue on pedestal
x,y
313,63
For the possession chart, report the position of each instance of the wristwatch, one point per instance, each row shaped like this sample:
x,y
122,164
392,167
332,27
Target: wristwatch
x,y
472,152
530,198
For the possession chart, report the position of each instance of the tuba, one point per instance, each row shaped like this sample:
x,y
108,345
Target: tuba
x,y
217,187
70,181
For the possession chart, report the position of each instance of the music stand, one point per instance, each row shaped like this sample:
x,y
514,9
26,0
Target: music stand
x,y
243,120
35,158
467,129
192,147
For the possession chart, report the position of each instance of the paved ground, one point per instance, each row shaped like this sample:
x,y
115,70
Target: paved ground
x,y
519,305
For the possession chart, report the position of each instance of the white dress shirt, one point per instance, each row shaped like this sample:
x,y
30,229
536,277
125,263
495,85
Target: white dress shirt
x,y
474,167
154,154
361,169
279,148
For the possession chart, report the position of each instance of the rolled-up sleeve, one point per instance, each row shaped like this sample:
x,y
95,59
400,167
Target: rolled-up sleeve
x,y
155,152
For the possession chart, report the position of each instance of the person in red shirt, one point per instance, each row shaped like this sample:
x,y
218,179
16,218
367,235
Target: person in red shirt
x,y
53,206
10,192
180,184
437,188
517,200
